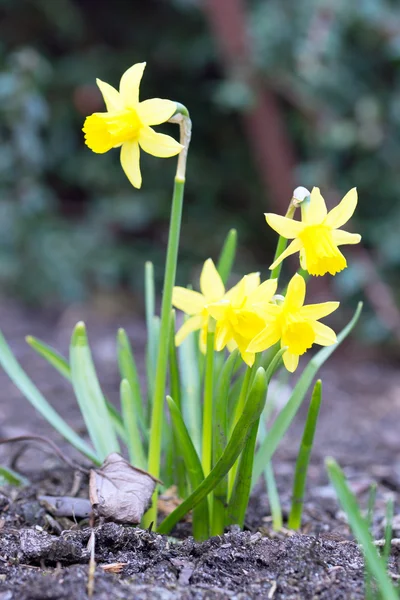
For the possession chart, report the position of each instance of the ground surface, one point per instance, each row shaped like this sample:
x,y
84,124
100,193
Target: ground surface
x,y
41,558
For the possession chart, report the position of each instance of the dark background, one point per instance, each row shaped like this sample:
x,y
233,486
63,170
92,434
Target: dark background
x,y
281,93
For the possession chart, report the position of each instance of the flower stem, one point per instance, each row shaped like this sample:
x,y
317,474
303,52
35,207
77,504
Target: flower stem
x,y
157,415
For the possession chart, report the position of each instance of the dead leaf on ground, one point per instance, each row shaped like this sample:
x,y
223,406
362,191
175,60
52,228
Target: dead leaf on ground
x,y
120,492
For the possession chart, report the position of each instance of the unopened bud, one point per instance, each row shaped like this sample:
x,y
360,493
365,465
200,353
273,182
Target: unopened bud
x,y
300,194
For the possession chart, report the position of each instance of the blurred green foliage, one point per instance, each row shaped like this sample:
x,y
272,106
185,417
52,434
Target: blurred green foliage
x,y
70,222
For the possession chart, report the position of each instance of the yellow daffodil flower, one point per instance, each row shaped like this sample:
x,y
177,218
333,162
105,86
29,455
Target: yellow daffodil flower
x,y
318,236
295,325
127,124
195,304
238,320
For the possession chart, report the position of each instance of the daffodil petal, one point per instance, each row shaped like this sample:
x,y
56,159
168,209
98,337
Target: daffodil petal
x,y
291,361
265,339
211,283
296,292
203,338
243,288
316,210
263,293
318,311
231,345
287,228
324,335
155,111
111,97
130,161
303,261
192,324
248,358
217,310
341,237
189,301
130,83
294,246
223,335
158,144
339,215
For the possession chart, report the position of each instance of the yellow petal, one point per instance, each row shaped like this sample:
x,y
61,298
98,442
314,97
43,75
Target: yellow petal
x,y
211,283
218,310
248,357
263,293
158,144
111,97
130,161
203,337
265,339
291,361
223,335
231,345
303,261
296,293
287,228
155,111
97,136
189,301
130,83
324,335
316,210
294,246
242,289
341,237
339,215
192,324
318,311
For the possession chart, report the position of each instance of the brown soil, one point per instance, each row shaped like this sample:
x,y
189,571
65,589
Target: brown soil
x,y
46,558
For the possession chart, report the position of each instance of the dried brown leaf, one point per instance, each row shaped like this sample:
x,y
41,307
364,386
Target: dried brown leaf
x,y
120,492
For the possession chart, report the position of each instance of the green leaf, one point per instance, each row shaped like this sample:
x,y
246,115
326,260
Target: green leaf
x,y
61,364
303,458
152,337
360,529
32,394
89,395
287,414
128,370
251,413
10,477
52,356
193,468
134,442
191,388
227,256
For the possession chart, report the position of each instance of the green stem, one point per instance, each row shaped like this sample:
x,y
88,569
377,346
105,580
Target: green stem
x,y
206,445
303,459
162,358
282,243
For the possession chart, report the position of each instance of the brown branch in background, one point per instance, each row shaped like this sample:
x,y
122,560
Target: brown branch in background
x,y
267,136
269,141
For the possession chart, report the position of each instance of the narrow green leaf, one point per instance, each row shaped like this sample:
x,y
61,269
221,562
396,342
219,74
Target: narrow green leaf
x,y
32,394
61,364
150,303
227,256
303,458
251,413
128,370
191,388
10,477
89,395
273,497
134,442
287,414
220,438
193,467
52,356
239,499
388,531
359,528
369,593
